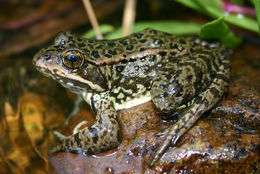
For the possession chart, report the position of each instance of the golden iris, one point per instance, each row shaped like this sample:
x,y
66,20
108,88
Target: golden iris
x,y
73,59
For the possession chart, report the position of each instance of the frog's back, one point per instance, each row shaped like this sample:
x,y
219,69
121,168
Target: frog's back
x,y
134,43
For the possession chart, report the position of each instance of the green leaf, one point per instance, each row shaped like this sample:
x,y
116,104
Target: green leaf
x,y
105,28
252,2
257,9
239,2
219,30
213,9
174,27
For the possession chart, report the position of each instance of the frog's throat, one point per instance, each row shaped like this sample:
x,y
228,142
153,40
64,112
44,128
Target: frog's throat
x,y
125,104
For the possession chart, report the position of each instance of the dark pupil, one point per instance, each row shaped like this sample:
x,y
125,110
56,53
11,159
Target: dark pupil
x,y
72,58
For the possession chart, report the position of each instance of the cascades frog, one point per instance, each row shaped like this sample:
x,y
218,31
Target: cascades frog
x,y
181,74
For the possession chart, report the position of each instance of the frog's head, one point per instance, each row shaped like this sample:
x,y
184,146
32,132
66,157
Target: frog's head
x,y
65,61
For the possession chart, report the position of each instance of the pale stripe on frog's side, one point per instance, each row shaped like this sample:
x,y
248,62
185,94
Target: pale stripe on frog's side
x,y
172,72
128,104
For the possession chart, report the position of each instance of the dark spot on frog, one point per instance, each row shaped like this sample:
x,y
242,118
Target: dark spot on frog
x,y
120,68
59,50
100,121
173,46
90,46
189,77
141,49
153,32
77,139
222,77
70,39
81,45
105,133
72,45
182,41
50,50
94,133
86,50
205,59
123,61
214,91
111,44
90,151
108,55
123,42
90,41
187,97
99,47
95,54
143,40
130,47
124,56
132,60
138,36
162,53
112,52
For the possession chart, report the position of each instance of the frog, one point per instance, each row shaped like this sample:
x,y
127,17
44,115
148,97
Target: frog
x,y
181,74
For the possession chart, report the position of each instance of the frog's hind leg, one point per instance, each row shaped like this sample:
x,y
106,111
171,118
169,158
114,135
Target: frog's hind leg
x,y
98,137
205,100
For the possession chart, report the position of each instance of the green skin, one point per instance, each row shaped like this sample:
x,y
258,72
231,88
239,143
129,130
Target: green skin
x,y
173,72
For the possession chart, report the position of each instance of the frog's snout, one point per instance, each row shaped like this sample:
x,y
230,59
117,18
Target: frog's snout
x,y
43,60
36,58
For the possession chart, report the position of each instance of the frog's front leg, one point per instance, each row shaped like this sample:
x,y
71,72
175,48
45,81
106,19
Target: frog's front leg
x,y
204,101
98,137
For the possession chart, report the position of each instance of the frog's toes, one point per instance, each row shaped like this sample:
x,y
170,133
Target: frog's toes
x,y
164,133
55,149
174,140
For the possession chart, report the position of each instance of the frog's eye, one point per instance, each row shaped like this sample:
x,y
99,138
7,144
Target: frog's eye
x,y
73,59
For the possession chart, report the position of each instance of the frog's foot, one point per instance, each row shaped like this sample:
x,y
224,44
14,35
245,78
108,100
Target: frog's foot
x,y
77,104
205,100
98,137
164,133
